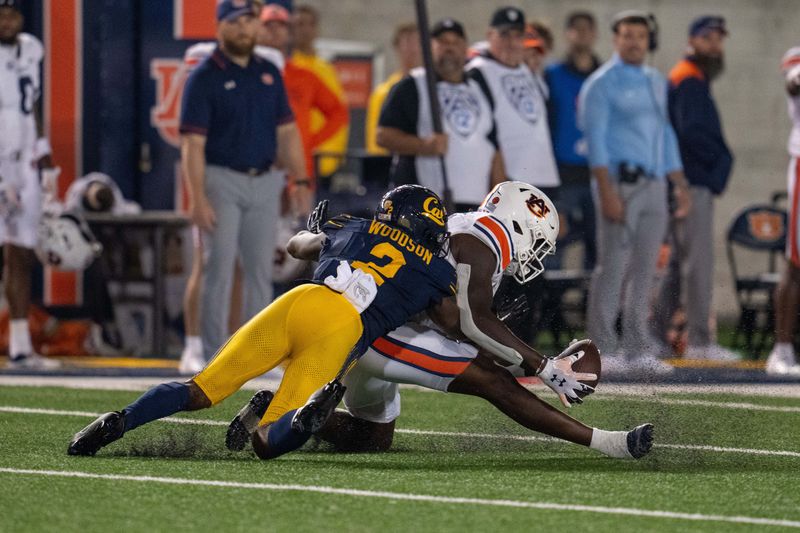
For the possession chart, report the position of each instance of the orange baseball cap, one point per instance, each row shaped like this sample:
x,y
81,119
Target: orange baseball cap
x,y
272,12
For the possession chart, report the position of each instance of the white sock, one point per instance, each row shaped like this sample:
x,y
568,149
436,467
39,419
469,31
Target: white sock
x,y
19,338
194,344
611,443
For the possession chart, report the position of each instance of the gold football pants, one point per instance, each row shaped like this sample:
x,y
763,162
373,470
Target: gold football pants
x,y
311,328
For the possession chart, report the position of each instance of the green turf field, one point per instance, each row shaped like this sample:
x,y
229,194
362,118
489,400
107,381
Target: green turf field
x,y
167,475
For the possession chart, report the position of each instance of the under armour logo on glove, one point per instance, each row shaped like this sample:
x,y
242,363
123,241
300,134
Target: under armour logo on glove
x,y
557,374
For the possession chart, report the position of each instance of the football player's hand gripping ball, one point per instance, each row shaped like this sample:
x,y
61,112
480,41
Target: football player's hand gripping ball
x,y
557,373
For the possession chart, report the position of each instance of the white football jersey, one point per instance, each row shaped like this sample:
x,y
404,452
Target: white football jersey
x,y
491,232
20,88
521,117
198,52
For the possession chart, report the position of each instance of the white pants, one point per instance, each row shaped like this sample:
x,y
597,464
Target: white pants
x,y
411,354
19,222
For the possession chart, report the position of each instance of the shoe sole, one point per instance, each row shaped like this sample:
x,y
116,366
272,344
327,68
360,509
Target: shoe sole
x,y
246,421
82,444
640,441
313,416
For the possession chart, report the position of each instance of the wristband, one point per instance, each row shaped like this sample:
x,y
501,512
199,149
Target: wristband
x,y
42,148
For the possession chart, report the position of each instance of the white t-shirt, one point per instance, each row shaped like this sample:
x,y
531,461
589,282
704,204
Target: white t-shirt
x,y
198,52
794,114
467,120
20,88
521,117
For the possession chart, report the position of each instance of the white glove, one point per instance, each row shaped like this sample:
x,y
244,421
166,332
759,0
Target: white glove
x,y
559,376
356,285
9,199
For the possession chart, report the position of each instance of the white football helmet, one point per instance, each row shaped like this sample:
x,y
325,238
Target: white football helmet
x,y
66,242
532,219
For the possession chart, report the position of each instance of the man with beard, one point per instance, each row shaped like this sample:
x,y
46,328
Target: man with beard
x,y
707,163
227,153
468,144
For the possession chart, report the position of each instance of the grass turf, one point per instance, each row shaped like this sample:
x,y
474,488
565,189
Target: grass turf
x,y
676,480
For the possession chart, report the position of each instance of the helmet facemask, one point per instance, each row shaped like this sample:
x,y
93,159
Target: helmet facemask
x,y
528,262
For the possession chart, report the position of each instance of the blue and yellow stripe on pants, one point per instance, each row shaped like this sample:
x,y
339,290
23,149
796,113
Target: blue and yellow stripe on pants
x,y
311,327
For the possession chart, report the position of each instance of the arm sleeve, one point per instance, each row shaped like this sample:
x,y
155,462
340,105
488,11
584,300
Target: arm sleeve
x,y
593,115
195,105
333,110
401,109
283,111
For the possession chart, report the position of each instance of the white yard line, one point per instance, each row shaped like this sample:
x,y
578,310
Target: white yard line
x,y
448,500
266,382
420,432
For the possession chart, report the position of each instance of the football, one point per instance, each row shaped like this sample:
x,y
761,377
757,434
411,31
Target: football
x,y
590,362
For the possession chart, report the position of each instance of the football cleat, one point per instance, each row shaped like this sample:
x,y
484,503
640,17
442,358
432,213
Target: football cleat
x,y
246,421
640,440
103,431
312,416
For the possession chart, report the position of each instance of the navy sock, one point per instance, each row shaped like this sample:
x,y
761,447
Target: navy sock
x,y
282,439
159,402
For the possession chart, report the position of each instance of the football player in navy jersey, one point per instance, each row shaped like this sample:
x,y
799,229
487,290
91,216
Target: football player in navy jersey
x,y
373,275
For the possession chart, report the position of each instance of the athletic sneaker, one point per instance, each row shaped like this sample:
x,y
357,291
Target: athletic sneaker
x,y
712,352
782,362
246,421
103,343
192,362
32,361
613,364
103,431
640,440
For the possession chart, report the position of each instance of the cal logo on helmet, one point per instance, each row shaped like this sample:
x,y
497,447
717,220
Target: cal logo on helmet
x,y
433,210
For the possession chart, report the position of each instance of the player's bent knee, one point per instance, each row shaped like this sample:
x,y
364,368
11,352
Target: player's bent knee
x,y
197,398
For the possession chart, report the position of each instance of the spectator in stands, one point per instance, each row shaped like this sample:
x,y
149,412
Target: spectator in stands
x,y
236,124
782,360
622,108
408,55
564,80
707,163
305,31
468,144
306,90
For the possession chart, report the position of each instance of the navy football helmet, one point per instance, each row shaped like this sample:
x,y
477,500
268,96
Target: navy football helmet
x,y
419,212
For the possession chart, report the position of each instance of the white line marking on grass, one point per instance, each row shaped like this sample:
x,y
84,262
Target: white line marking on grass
x,y
419,432
705,403
697,517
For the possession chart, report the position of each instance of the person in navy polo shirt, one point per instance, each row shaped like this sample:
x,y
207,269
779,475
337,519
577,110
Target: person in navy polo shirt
x,y
236,128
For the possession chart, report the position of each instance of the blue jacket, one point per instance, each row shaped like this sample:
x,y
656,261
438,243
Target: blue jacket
x,y
707,160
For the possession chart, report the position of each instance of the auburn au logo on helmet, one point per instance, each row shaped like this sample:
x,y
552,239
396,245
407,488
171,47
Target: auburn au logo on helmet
x,y
537,206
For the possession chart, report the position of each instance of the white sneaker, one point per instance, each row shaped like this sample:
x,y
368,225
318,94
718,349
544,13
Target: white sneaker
x,y
712,352
613,364
96,344
33,361
191,363
782,364
649,364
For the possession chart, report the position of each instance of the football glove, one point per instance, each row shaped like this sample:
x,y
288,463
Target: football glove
x,y
318,217
557,374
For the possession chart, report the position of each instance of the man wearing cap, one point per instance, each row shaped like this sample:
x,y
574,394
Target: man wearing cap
x,y
468,144
622,109
707,163
24,152
518,103
236,124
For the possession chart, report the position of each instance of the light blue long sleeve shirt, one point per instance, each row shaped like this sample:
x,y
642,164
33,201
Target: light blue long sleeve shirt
x,y
622,110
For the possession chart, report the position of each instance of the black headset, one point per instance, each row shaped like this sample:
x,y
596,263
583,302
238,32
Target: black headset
x,y
648,18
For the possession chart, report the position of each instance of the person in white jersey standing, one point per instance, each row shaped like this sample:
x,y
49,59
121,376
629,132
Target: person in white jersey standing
x,y
782,359
24,151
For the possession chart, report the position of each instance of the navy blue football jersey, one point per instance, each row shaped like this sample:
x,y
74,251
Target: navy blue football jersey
x,y
409,277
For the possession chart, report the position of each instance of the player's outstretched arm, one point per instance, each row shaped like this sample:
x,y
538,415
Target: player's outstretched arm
x,y
306,245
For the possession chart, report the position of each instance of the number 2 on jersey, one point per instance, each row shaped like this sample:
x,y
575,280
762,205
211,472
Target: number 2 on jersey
x,y
382,272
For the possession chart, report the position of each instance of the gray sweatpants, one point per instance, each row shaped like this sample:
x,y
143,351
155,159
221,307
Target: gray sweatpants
x,y
690,274
247,210
627,254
